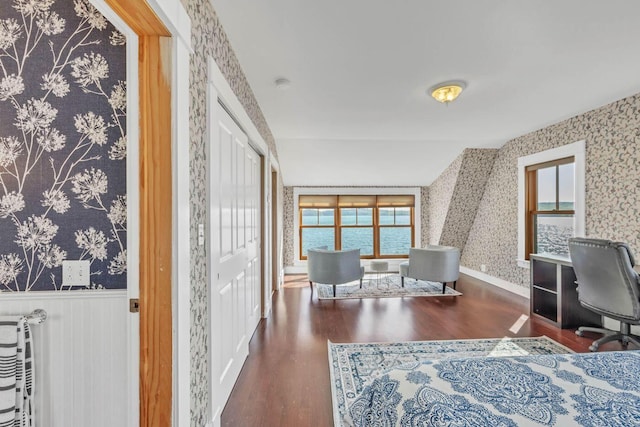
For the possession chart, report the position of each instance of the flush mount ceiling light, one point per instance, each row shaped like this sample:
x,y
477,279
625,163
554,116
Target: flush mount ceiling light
x,y
447,91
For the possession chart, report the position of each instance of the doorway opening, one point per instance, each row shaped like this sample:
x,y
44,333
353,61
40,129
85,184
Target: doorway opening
x,y
275,241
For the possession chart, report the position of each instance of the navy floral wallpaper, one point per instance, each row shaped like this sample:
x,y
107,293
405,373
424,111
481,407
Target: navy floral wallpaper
x,y
62,145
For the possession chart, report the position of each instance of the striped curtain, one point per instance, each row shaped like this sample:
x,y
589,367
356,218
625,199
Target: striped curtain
x,y
16,373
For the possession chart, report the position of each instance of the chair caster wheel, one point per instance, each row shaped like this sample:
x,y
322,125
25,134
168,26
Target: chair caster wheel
x,y
579,333
593,347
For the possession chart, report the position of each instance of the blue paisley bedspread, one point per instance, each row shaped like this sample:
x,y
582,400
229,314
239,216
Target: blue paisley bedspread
x,y
594,389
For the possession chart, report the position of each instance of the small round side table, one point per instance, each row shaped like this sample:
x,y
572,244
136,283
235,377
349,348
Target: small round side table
x,y
379,267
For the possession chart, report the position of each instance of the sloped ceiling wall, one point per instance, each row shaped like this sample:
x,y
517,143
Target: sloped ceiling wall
x,y
454,197
612,136
440,197
472,177
448,207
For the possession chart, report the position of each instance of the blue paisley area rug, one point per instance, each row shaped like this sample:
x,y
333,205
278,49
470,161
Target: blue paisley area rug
x,y
386,287
355,366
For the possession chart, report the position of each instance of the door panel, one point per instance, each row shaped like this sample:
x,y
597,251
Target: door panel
x,y
234,204
252,174
227,152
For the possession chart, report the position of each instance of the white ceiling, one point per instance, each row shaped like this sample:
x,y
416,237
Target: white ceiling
x,y
357,112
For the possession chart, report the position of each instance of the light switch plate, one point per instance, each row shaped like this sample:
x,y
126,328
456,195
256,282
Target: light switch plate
x,y
76,272
200,234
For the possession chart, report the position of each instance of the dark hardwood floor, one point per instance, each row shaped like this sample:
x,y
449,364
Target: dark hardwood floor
x,y
285,379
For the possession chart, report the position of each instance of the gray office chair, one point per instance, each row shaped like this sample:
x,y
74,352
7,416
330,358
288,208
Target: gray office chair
x,y
607,285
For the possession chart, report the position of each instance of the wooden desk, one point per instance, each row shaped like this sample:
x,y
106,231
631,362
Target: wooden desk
x,y
554,295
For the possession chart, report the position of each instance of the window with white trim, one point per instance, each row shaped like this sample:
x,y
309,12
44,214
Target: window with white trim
x,y
551,200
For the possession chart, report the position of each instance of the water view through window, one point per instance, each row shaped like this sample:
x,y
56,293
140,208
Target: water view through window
x,y
553,220
357,227
553,233
323,234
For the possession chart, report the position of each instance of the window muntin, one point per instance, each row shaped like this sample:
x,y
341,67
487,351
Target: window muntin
x,y
318,216
386,216
380,226
566,187
356,230
356,216
317,228
550,207
395,231
546,184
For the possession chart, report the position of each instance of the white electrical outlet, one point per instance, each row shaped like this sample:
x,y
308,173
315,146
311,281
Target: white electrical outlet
x,y
483,268
76,273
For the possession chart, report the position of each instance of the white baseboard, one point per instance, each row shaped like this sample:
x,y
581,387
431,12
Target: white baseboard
x,y
295,269
615,325
495,281
267,310
301,268
215,419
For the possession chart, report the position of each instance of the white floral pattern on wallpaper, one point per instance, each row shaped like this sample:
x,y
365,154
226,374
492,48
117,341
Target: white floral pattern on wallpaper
x,y
62,144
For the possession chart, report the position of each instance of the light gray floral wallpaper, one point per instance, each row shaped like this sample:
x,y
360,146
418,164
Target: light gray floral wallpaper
x,y
425,199
469,188
612,135
440,192
288,225
612,206
62,144
208,41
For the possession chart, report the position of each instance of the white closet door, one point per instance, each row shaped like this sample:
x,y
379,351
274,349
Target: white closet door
x,y
252,233
234,250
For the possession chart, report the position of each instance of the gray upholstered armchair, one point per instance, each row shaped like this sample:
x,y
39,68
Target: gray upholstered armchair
x,y
434,264
334,267
607,285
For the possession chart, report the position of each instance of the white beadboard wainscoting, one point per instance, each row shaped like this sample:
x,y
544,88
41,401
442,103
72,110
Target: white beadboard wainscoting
x,y
80,356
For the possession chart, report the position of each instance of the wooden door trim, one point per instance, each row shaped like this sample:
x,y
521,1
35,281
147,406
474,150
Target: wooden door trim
x,y
155,264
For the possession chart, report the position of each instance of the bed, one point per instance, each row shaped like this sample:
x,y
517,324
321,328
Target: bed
x,y
592,389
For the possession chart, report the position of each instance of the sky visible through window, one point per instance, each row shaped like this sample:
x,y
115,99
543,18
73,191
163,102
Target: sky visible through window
x,y
554,230
547,184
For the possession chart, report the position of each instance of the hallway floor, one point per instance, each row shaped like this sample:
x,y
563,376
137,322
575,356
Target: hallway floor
x,y
285,379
